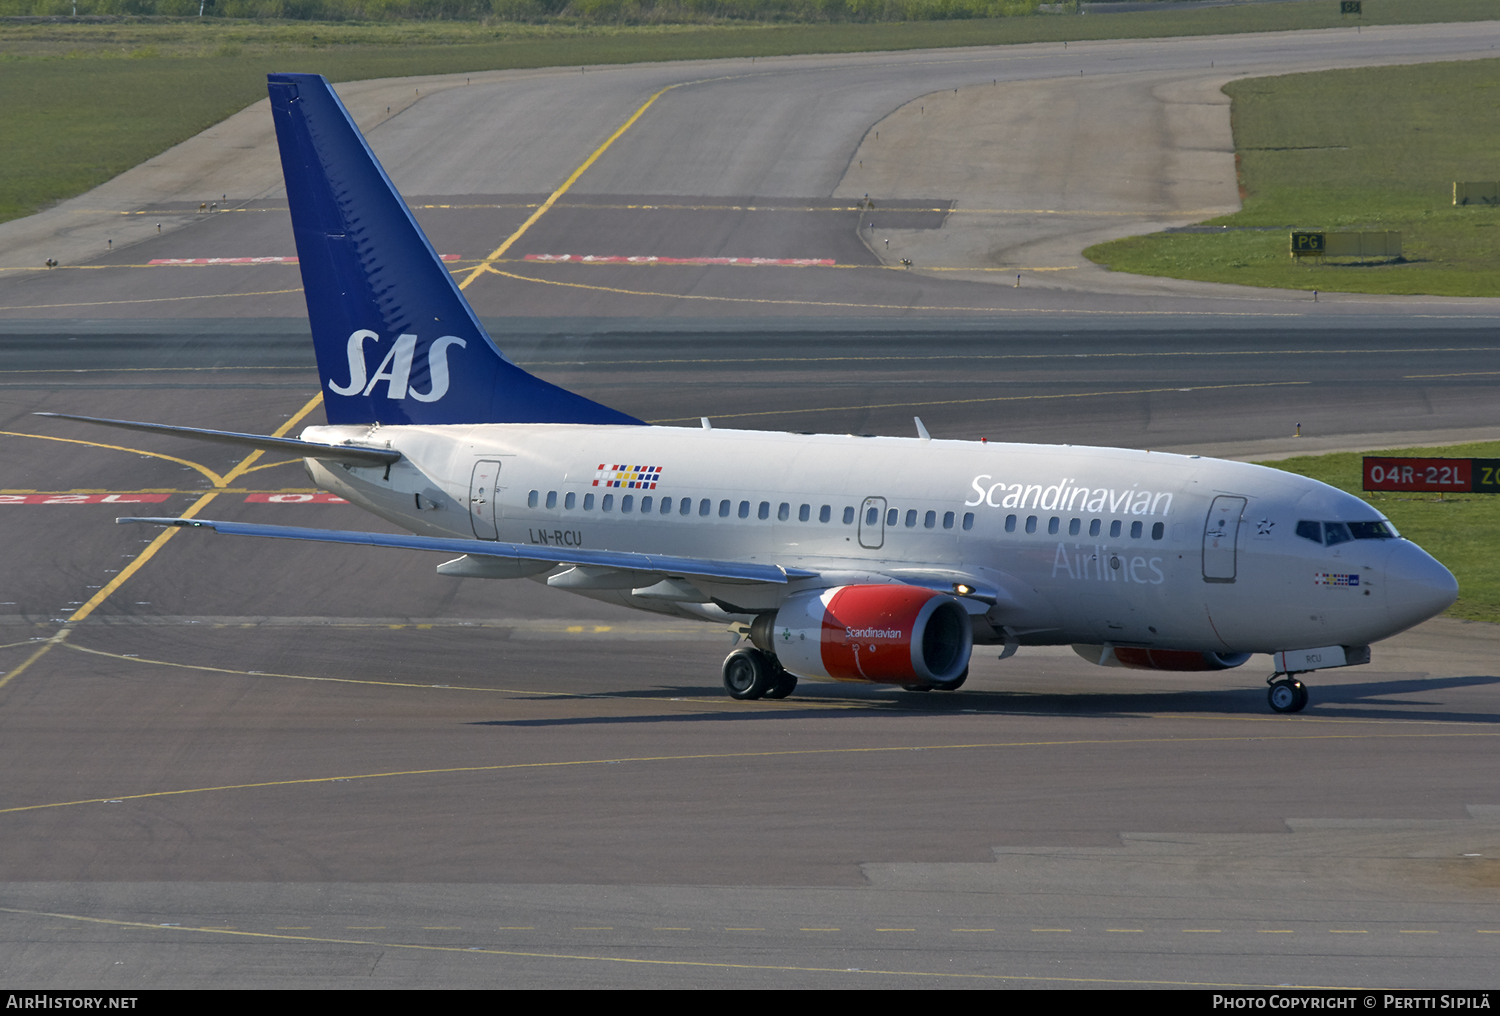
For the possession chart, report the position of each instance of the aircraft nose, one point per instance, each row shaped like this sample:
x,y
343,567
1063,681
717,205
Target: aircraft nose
x,y
1417,586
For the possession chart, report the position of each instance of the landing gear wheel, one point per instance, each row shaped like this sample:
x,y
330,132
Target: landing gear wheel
x,y
748,674
1288,695
953,685
785,684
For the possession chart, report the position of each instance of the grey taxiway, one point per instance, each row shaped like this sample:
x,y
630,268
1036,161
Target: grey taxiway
x,y
239,764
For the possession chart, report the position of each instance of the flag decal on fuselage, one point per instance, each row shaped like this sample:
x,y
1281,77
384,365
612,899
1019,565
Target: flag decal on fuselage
x,y
633,477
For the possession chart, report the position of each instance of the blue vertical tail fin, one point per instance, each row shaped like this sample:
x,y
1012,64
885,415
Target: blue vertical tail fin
x,y
396,341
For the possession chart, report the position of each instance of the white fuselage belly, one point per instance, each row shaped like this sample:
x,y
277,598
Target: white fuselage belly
x,y
1266,590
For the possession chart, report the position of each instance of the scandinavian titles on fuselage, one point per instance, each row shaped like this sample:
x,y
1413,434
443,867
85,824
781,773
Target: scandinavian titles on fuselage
x,y
1065,496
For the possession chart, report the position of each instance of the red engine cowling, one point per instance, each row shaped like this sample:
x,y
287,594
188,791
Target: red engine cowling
x,y
892,634
1140,658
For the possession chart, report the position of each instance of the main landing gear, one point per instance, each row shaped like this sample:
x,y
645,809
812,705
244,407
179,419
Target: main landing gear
x,y
1287,694
751,674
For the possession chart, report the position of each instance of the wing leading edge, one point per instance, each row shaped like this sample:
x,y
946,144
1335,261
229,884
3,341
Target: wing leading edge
x,y
736,570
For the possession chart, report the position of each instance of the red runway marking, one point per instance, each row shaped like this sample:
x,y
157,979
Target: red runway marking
x,y
294,499
601,259
83,498
246,261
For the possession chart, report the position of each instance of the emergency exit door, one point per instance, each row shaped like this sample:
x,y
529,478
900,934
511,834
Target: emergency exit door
x,y
872,523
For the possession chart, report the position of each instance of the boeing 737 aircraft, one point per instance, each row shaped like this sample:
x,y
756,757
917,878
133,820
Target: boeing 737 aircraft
x,y
875,559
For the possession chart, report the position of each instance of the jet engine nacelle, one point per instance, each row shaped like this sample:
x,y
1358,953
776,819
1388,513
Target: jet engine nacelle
x,y
1138,658
893,634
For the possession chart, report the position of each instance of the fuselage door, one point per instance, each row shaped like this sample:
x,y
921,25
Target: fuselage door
x,y
483,494
872,523
1221,532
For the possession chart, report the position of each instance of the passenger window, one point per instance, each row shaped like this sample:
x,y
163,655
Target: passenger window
x,y
929,521
1135,530
1310,531
570,501
968,520
765,510
1010,522
551,499
784,512
872,516
1052,525
531,499
1031,523
744,509
1075,526
646,505
848,516
666,506
911,518
588,502
804,513
1335,533
825,513
1158,530
627,504
891,516
685,506
1114,528
608,503
947,520
724,509
704,507
1093,527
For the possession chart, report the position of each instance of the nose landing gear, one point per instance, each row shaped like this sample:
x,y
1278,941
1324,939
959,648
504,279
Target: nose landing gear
x,y
1287,694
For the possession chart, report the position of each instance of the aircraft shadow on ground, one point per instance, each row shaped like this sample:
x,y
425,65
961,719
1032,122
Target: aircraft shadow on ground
x,y
1366,700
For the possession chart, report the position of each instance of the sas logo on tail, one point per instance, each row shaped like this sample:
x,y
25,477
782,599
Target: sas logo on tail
x,y
395,369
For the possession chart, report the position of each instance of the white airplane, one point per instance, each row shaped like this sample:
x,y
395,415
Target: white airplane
x,y
872,559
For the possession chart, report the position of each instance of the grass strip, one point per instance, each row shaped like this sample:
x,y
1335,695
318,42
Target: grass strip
x,y
1459,530
1371,149
85,102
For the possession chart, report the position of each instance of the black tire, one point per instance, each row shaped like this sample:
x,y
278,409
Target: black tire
x,y
786,683
1287,695
953,685
748,674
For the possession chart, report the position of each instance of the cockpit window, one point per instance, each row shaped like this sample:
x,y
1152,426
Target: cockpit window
x,y
1333,533
1373,530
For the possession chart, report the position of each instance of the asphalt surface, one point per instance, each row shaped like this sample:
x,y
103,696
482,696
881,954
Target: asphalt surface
x,y
264,765
333,767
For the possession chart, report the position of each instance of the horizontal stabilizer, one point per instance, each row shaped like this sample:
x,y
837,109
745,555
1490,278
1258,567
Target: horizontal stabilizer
x,y
736,570
307,449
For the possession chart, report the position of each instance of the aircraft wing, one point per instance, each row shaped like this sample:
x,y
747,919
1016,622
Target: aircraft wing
x,y
741,570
